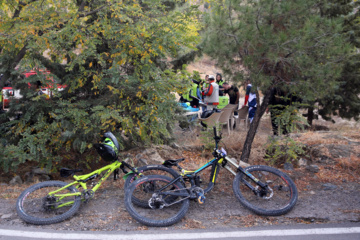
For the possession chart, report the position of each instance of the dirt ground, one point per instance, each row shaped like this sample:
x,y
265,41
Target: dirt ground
x,y
331,195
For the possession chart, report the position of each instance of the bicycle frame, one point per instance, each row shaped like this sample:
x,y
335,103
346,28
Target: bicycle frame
x,y
81,180
219,158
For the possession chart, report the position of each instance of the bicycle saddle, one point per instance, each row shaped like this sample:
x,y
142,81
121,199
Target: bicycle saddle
x,y
169,163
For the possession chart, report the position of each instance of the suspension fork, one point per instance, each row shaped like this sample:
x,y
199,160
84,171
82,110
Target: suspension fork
x,y
252,177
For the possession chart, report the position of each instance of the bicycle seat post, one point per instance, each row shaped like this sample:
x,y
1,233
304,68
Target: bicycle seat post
x,y
179,167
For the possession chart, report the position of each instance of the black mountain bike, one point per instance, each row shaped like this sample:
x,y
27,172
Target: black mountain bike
x,y
159,201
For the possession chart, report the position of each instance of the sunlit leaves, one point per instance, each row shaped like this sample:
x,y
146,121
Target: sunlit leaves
x,y
112,56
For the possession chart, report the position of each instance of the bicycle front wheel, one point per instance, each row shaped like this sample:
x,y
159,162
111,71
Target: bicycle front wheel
x,y
164,208
149,170
278,198
36,206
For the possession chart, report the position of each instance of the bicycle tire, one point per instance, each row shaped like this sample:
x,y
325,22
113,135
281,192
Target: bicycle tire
x,y
157,217
284,192
35,206
149,170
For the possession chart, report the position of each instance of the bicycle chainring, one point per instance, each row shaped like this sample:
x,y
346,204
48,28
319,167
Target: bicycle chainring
x,y
49,203
87,195
156,202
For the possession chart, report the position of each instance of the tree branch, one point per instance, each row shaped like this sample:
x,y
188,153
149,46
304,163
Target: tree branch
x,y
93,12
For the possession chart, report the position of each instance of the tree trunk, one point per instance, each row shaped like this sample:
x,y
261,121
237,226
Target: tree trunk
x,y
310,115
245,156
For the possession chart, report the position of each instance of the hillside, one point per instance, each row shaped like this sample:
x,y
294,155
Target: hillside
x,y
326,178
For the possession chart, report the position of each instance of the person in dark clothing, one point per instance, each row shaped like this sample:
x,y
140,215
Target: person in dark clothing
x,y
233,92
220,82
250,99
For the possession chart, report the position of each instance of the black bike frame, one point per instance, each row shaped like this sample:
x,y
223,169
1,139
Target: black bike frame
x,y
215,164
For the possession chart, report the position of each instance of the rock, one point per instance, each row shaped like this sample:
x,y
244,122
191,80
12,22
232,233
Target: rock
x,y
16,180
315,151
313,168
6,216
153,156
325,159
288,166
140,160
43,177
40,171
329,186
302,162
175,145
29,177
339,151
168,152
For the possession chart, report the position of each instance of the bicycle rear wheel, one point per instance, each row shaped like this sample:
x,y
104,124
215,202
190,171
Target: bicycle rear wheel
x,y
36,206
149,170
161,211
278,198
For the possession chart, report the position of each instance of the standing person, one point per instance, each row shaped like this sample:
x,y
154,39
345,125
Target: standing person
x,y
220,82
206,81
195,94
192,95
211,93
250,97
279,102
205,84
234,94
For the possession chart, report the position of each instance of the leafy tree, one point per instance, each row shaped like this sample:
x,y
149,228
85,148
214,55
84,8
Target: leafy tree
x,y
282,44
345,102
113,58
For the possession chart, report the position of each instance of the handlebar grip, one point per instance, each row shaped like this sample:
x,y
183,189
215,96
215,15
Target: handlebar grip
x,y
215,131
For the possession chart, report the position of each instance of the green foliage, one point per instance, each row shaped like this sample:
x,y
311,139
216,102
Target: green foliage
x,y
280,151
277,44
288,118
111,56
345,102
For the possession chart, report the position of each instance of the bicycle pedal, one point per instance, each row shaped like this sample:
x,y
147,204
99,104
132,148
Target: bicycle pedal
x,y
201,199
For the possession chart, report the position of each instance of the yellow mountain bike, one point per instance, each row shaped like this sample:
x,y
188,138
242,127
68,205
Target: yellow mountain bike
x,y
55,201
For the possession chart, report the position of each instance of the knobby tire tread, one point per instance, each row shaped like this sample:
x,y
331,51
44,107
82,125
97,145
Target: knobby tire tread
x,y
150,222
44,221
261,211
144,169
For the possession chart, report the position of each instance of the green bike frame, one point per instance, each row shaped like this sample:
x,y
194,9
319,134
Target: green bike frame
x,y
80,181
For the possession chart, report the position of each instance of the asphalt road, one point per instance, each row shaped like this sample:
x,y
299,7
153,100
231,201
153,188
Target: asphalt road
x,y
296,232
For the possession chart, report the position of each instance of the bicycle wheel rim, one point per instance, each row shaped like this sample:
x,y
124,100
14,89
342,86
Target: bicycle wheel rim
x,y
159,215
279,198
35,206
145,171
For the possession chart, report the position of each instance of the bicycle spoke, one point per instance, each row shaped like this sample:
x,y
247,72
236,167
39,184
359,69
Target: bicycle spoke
x,y
276,196
163,209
